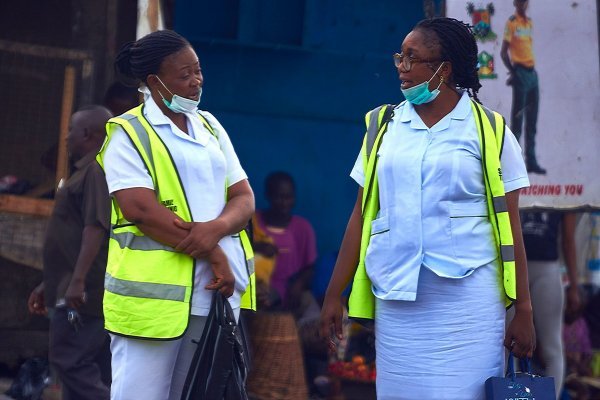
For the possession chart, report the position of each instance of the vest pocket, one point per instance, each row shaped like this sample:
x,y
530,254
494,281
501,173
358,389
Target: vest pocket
x,y
472,236
377,258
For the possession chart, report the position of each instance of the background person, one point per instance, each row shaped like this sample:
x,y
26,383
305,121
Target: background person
x,y
432,259
294,244
290,240
541,233
120,98
75,249
167,164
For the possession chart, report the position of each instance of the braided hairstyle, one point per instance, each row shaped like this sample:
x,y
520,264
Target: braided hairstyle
x,y
457,45
136,60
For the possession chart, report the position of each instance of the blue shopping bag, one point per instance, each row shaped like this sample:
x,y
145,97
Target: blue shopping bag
x,y
521,385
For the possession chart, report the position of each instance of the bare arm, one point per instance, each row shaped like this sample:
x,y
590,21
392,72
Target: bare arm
x,y
347,261
139,206
204,236
344,270
91,242
520,335
505,57
239,208
570,257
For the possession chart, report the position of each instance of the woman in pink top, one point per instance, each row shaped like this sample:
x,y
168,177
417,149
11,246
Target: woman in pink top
x,y
294,244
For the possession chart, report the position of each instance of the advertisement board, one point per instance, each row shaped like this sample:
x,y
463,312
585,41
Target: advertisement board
x,y
551,100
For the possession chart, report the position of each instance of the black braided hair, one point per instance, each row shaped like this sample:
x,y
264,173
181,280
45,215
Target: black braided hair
x,y
136,60
457,45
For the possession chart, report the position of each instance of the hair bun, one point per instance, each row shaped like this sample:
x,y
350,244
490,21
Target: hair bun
x,y
123,68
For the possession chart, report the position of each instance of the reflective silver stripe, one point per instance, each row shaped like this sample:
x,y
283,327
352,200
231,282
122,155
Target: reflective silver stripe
x,y
142,135
144,290
207,126
135,242
372,130
491,117
250,264
500,204
507,252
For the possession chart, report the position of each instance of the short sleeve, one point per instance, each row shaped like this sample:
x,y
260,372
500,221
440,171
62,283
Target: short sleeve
x,y
358,171
514,172
123,165
235,172
96,200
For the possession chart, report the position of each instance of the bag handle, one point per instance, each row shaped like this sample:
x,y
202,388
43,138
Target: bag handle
x,y
224,312
525,364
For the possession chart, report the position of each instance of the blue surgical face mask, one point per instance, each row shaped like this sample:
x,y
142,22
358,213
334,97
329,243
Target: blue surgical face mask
x,y
180,104
420,94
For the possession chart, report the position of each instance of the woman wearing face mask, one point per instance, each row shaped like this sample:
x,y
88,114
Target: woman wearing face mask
x,y
180,201
430,258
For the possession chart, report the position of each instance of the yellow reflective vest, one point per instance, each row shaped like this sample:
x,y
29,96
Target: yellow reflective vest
x,y
148,285
490,128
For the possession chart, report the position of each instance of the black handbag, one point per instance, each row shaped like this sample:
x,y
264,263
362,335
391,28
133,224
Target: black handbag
x,y
519,386
218,370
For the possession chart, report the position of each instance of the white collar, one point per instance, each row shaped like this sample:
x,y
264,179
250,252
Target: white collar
x,y
152,112
459,112
156,117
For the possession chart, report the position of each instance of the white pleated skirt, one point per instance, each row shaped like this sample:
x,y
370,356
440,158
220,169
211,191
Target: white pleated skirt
x,y
445,344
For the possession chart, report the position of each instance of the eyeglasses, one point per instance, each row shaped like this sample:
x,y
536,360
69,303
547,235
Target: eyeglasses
x,y
408,61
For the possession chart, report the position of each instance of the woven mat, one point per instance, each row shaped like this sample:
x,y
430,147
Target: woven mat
x,y
22,238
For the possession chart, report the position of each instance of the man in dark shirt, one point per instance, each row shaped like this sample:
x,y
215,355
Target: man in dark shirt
x,y
75,251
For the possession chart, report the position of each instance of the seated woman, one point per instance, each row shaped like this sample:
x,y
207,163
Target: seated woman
x,y
289,240
285,251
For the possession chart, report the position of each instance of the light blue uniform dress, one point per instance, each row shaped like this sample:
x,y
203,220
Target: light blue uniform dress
x,y
432,259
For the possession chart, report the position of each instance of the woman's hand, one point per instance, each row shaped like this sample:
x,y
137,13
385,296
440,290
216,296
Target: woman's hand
x,y
201,239
223,280
332,313
520,335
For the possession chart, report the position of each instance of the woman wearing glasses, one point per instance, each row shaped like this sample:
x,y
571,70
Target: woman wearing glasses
x,y
431,258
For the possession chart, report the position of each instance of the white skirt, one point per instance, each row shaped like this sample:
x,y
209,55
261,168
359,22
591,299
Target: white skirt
x,y
445,344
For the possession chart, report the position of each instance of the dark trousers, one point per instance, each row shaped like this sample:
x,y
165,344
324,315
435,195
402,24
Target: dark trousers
x,y
77,356
525,105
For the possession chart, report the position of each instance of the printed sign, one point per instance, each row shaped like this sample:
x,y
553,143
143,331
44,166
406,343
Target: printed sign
x,y
548,89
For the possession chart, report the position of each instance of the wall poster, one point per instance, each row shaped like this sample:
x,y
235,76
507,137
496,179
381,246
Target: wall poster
x,y
551,99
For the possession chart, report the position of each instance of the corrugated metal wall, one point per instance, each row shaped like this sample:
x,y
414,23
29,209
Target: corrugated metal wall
x,y
291,81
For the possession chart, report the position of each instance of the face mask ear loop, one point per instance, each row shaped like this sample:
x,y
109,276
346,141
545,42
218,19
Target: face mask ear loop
x,y
161,95
165,86
441,77
441,81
